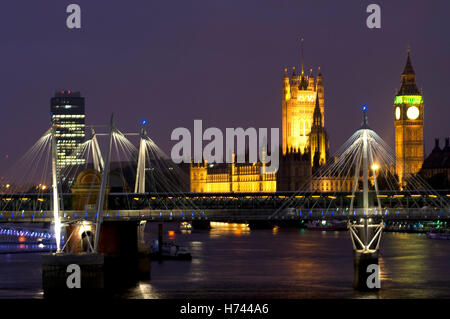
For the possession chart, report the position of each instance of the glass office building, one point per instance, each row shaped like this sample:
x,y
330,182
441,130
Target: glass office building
x,y
67,114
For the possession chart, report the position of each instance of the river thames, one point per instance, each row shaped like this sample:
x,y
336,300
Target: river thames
x,y
232,261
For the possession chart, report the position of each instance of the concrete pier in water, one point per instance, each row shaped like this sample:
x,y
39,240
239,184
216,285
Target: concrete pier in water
x,y
122,259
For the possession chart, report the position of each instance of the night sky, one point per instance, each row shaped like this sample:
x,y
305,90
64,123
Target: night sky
x,y
171,62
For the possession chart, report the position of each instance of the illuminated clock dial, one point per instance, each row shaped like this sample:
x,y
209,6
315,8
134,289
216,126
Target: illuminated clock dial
x,y
412,112
397,112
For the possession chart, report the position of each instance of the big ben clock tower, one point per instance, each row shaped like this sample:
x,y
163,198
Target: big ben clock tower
x,y
409,116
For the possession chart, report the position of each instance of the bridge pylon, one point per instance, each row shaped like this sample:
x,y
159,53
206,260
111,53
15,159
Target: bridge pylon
x,y
57,218
96,154
365,235
139,186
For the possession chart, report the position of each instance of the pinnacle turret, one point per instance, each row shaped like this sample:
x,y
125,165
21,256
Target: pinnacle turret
x,y
409,86
317,116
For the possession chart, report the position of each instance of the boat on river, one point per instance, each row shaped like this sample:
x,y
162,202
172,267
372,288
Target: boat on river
x,y
434,234
327,225
170,251
185,226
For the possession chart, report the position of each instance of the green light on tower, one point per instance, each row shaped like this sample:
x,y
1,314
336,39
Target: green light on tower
x,y
408,99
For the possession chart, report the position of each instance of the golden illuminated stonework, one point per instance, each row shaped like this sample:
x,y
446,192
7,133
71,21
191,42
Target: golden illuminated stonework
x,y
409,108
234,177
304,149
299,100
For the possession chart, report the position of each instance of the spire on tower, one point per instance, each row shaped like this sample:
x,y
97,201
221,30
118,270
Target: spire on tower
x,y
409,86
408,67
302,57
317,116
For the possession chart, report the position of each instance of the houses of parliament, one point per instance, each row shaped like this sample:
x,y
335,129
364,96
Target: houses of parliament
x,y
305,147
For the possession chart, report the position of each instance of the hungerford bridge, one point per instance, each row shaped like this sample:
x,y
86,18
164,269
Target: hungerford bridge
x,y
236,207
423,204
109,229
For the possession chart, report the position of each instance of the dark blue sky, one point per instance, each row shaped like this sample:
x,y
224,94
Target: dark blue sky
x,y
221,61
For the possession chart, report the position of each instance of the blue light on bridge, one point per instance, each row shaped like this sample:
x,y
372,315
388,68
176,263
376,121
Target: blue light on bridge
x,y
171,213
441,212
397,212
310,213
192,214
181,214
117,213
321,213
1,215
343,213
75,215
96,215
160,214
376,212
387,212
144,122
365,214
354,213
203,213
85,215
43,214
300,213
107,214
332,213
12,215
364,108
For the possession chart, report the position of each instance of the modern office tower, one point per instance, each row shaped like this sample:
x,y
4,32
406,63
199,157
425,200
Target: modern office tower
x,y
67,115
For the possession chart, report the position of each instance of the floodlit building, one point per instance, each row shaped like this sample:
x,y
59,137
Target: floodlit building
x,y
408,122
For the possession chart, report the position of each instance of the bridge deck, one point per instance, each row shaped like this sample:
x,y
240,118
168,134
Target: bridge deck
x,y
232,215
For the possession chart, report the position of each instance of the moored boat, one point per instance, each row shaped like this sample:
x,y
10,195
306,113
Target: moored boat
x,y
170,250
324,225
438,235
185,226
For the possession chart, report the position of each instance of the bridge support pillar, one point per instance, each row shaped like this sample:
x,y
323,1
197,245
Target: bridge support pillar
x,y
261,224
366,271
72,275
126,258
201,224
122,259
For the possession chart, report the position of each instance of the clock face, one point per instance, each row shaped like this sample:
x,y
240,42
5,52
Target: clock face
x,y
412,112
397,112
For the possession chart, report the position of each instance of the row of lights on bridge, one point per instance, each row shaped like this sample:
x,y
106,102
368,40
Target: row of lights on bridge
x,y
203,214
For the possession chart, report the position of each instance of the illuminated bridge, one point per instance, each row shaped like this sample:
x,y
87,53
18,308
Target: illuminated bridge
x,y
233,207
90,214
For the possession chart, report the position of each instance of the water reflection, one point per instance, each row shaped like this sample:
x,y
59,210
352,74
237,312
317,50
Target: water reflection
x,y
234,261
226,229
